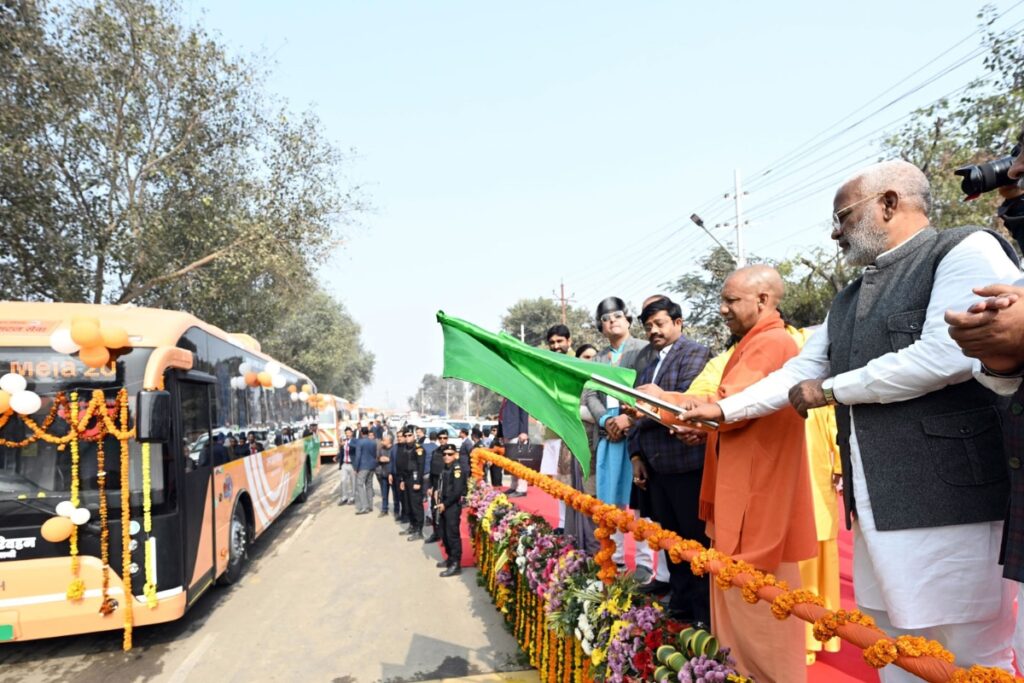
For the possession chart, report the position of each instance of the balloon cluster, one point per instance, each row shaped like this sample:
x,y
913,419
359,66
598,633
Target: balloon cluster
x,y
57,529
300,394
92,340
270,376
14,395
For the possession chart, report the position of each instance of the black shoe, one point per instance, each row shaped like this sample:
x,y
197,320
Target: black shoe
x,y
433,538
443,563
453,570
655,587
559,531
415,536
517,494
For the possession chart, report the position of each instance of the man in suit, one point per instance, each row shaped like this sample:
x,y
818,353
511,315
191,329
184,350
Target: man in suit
x,y
365,463
667,468
345,460
513,425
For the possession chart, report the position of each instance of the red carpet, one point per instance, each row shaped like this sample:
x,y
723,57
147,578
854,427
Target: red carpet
x,y
842,667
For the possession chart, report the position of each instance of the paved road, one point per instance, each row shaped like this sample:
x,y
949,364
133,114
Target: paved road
x,y
328,596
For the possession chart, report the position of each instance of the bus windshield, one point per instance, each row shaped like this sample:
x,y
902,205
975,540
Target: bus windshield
x,y
36,476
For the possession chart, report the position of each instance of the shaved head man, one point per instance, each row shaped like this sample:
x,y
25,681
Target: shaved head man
x,y
748,293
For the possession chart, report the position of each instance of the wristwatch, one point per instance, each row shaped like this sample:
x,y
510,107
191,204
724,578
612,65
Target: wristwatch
x,y
826,388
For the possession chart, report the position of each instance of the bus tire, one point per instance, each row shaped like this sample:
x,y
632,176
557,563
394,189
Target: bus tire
x,y
307,484
239,538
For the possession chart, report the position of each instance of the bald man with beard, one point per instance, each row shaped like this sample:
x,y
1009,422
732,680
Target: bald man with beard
x,y
924,475
755,495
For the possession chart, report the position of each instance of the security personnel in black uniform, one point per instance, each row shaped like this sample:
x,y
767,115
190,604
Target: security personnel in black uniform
x,y
451,489
436,468
410,471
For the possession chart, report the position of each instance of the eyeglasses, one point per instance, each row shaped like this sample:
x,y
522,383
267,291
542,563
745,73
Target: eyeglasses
x,y
614,315
839,216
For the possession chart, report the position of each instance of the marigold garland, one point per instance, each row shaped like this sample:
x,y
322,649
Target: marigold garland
x,y
149,589
608,518
107,603
76,589
126,520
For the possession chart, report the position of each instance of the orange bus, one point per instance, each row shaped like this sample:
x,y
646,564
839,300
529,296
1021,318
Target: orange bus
x,y
330,425
179,394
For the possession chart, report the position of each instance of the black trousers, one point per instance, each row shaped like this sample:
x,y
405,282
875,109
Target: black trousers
x,y
675,499
413,501
434,479
450,535
496,475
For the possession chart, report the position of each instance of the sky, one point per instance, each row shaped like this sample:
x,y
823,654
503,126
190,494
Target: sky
x,y
508,148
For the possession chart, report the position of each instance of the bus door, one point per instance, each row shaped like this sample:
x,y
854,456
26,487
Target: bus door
x,y
195,445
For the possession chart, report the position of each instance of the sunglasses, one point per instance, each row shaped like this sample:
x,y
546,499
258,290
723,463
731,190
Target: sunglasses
x,y
614,315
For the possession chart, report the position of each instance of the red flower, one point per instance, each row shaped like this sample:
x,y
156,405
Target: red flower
x,y
643,662
654,640
674,627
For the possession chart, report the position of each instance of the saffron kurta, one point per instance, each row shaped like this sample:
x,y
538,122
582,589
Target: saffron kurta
x,y
756,492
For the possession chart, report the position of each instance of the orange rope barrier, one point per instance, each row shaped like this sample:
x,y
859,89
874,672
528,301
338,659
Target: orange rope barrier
x,y
924,658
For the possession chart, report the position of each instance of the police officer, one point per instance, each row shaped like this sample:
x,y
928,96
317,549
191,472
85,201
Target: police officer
x,y
450,490
436,468
410,471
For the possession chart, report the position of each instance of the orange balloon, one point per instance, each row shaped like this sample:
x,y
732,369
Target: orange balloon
x,y
265,379
252,379
5,401
94,356
114,336
86,332
292,388
57,529
308,389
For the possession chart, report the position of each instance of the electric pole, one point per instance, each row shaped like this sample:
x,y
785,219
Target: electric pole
x,y
563,299
741,258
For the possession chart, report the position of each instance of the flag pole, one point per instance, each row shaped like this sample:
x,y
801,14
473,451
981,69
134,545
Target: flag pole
x,y
647,398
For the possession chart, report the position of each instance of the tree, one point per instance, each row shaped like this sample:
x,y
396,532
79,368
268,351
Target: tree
x,y
140,163
973,127
535,316
321,337
811,280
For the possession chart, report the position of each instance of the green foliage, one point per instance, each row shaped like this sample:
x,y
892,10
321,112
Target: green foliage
x,y
536,316
974,126
321,337
141,163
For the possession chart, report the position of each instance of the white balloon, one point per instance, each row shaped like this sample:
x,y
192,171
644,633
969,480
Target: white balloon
x,y
26,402
295,397
12,383
303,396
61,342
280,381
273,367
80,516
134,527
65,508
236,382
244,368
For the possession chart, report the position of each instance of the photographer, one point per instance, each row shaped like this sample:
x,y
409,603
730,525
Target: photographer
x,y
992,331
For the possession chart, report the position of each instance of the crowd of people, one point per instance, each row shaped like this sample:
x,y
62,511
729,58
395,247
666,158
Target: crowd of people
x,y
419,473
906,404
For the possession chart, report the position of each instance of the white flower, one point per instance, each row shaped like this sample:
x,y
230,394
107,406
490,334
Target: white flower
x,y
586,647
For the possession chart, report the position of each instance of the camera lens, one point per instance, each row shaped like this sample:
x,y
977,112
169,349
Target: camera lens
x,y
985,177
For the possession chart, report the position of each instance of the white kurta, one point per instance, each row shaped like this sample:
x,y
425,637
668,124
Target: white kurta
x,y
921,577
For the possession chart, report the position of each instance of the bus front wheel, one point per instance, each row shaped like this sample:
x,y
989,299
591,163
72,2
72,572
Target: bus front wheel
x,y
238,546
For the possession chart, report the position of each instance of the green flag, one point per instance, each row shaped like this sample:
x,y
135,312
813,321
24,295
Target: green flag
x,y
545,384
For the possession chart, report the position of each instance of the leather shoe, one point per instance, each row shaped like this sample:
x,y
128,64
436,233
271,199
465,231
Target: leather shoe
x,y
415,536
558,531
442,563
453,570
432,538
517,494
655,587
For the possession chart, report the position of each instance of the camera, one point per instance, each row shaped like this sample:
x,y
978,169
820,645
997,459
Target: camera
x,y
988,176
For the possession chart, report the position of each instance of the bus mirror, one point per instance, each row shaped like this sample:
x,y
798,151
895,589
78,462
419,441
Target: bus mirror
x,y
153,417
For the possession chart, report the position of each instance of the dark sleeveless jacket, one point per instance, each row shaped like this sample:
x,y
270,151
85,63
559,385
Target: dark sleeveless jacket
x,y
1012,555
935,460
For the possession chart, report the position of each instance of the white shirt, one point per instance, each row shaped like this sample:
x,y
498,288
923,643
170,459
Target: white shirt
x,y
661,357
921,577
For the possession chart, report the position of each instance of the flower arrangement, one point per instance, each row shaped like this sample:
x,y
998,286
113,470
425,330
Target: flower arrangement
x,y
574,625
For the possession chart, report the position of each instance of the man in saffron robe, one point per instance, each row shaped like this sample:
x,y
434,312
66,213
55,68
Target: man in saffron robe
x,y
756,492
